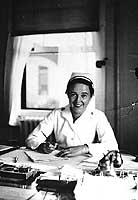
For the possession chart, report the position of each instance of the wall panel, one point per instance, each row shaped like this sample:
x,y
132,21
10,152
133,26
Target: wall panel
x,y
127,61
4,15
33,16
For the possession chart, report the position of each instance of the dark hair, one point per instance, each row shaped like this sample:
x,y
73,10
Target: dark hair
x,y
79,80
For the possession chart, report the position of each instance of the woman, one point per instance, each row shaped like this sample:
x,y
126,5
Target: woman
x,y
76,125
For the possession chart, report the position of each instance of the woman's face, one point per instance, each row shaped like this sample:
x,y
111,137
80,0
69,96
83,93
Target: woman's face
x,y
79,97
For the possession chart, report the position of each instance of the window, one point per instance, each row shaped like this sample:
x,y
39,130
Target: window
x,y
43,80
51,61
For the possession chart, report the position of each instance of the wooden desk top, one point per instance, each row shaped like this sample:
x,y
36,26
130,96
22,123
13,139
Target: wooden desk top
x,y
13,192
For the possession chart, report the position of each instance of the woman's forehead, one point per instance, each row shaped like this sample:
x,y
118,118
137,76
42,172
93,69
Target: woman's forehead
x,y
79,87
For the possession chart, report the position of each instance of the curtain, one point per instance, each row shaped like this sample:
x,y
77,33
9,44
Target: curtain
x,y
20,47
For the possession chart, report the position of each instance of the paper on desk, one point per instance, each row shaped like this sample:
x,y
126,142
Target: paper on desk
x,y
7,159
129,163
101,187
44,158
38,166
67,172
91,162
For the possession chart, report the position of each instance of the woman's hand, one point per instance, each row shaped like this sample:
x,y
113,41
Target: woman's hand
x,y
74,151
47,147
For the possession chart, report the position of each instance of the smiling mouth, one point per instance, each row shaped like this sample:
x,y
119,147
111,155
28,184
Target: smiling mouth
x,y
78,109
78,106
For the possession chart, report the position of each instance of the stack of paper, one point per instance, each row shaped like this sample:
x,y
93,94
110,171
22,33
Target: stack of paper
x,y
102,188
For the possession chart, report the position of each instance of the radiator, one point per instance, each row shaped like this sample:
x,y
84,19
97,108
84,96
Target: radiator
x,y
26,126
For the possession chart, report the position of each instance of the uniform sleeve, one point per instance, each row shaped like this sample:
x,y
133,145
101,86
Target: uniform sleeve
x,y
41,132
107,140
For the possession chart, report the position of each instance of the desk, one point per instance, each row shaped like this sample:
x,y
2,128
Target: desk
x,y
15,191
29,192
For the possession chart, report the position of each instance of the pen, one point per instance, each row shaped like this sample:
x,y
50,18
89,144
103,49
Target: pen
x,y
28,156
16,159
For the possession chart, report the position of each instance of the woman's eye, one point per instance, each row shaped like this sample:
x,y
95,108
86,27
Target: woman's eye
x,y
72,95
84,96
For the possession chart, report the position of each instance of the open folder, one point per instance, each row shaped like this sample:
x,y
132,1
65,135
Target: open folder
x,y
7,148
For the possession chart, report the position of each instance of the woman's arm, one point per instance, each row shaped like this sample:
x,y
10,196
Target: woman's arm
x,y
41,132
106,137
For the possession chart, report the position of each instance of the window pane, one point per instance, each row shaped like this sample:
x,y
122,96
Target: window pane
x,y
43,77
52,60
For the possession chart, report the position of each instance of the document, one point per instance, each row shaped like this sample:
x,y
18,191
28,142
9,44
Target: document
x,y
42,157
101,187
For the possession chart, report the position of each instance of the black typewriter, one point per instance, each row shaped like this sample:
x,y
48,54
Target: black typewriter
x,y
13,173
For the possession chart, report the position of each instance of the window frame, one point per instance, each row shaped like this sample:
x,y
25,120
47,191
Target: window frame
x,y
24,89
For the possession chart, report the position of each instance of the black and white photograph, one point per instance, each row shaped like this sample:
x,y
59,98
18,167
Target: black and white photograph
x,y
69,100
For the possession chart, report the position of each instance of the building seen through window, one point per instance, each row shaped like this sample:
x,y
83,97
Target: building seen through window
x,y
52,60
43,77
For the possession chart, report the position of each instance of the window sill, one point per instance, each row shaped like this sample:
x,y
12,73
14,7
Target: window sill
x,y
32,114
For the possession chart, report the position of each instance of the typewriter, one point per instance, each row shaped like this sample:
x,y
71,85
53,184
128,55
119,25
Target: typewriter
x,y
13,173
